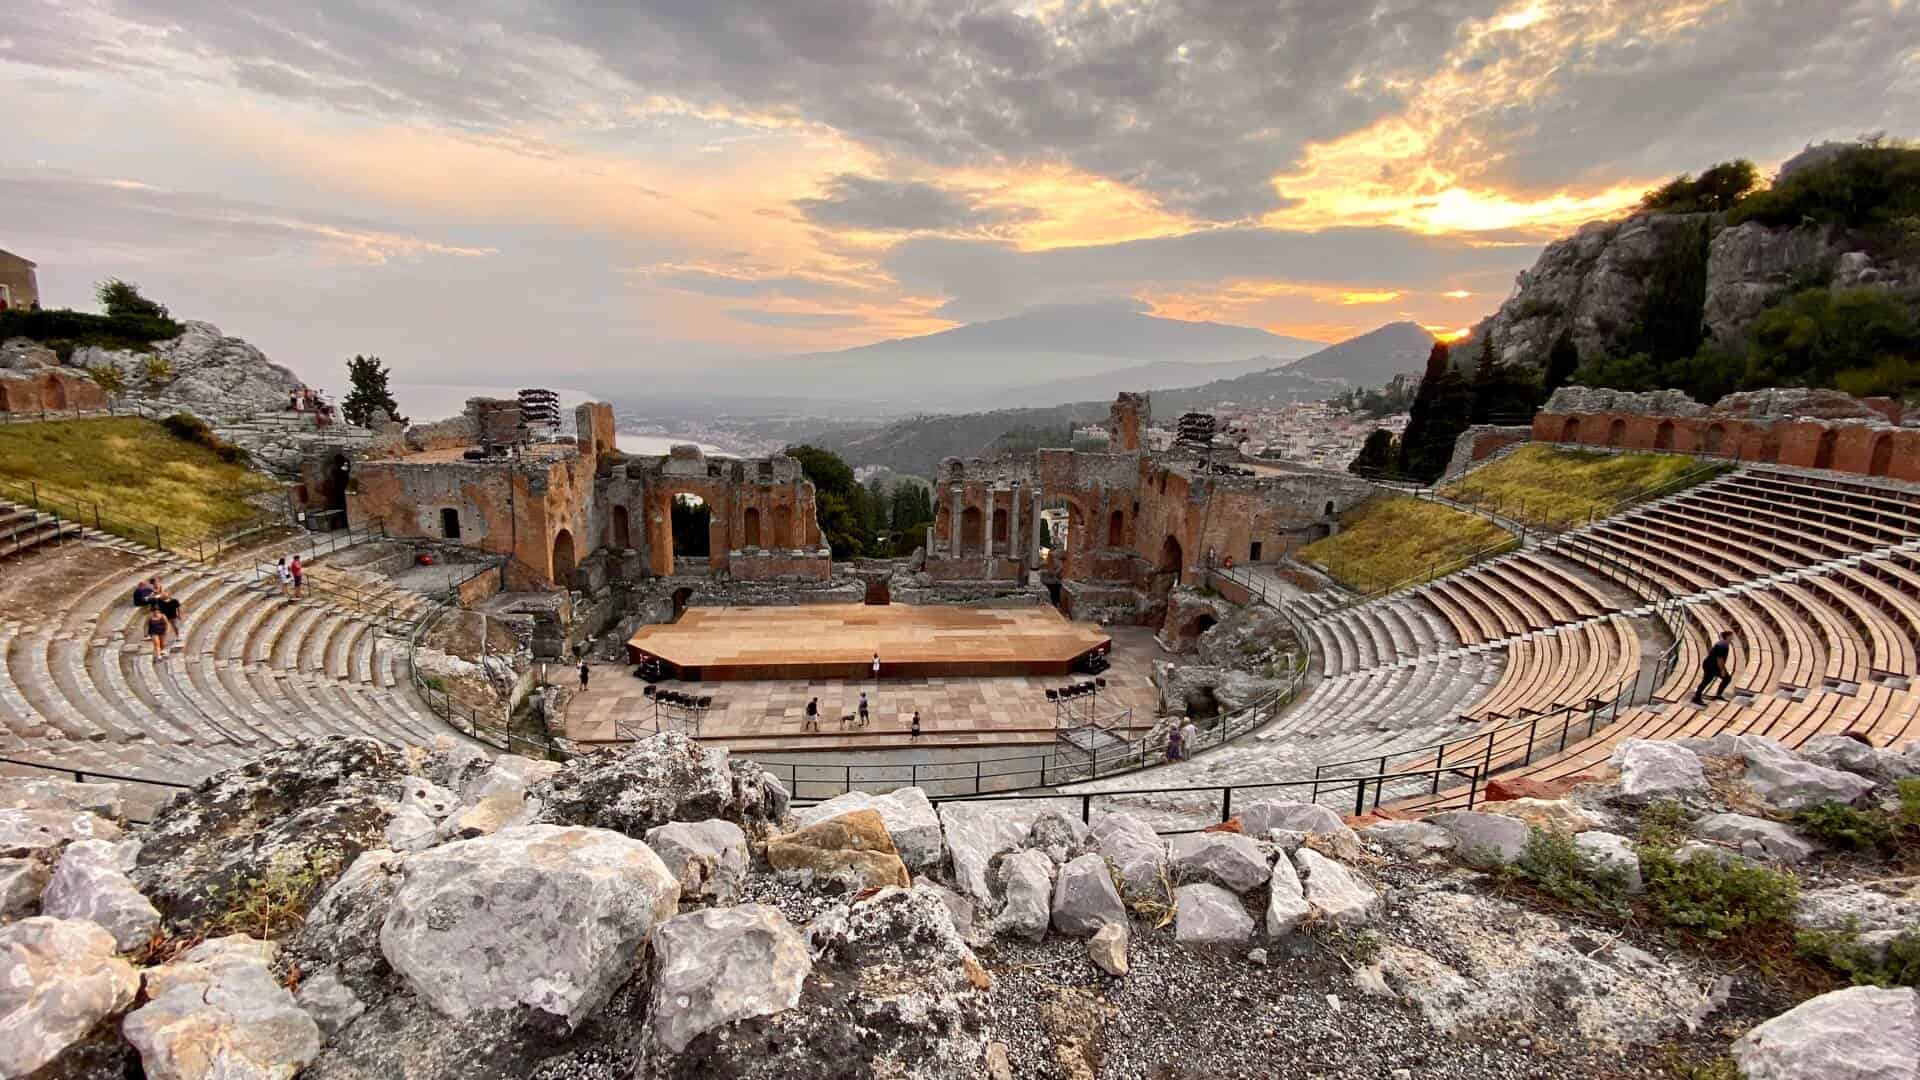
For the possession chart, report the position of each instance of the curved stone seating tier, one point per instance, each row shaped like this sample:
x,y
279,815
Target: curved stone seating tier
x,y
251,670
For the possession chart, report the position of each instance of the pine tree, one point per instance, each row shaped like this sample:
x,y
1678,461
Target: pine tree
x,y
1441,411
1376,455
369,380
1562,361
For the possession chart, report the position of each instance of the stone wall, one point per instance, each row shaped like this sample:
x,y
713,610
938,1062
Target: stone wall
x,y
1482,441
49,389
22,287
1854,437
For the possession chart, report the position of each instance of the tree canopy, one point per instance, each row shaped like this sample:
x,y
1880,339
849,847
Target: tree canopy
x,y
368,392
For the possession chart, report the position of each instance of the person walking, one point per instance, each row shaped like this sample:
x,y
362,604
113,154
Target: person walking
x,y
157,631
583,673
914,731
876,667
1189,738
285,575
1717,665
168,605
863,708
299,574
1174,750
812,722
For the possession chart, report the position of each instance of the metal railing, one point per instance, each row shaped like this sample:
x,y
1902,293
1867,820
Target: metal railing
x,y
36,416
92,513
82,776
1361,786
1518,511
463,718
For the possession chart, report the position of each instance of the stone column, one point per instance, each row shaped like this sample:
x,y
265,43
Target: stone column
x,y
953,531
1033,542
930,549
1013,525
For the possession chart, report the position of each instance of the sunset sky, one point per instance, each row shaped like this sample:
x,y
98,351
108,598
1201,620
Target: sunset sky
x,y
487,189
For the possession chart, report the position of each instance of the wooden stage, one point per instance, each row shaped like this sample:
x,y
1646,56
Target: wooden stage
x,y
837,641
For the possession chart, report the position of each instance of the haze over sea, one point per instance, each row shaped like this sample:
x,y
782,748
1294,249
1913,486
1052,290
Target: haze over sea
x,y
423,402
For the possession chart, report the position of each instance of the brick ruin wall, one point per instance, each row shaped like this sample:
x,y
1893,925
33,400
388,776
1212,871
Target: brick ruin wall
x,y
50,390
1869,447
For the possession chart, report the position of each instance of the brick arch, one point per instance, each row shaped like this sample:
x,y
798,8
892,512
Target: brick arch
x,y
1716,439
1570,429
750,527
622,529
1823,452
53,393
1117,529
1617,432
1663,436
1880,458
563,558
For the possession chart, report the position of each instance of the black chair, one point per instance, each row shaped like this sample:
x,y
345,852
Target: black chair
x,y
704,702
1053,696
648,692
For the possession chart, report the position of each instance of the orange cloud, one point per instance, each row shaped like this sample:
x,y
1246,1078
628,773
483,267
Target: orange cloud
x,y
1352,298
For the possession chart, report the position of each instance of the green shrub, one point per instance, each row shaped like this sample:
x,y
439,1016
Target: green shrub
x,y
1909,801
1714,899
62,329
190,428
1841,950
1842,826
1664,824
1553,865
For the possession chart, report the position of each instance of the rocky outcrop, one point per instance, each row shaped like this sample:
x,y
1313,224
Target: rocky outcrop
x,y
668,777
219,1014
88,885
1658,770
909,818
545,917
58,978
718,966
212,375
852,849
708,858
1860,1033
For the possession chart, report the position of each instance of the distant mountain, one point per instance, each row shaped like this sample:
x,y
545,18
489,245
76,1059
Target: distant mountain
x,y
1372,359
1156,376
980,363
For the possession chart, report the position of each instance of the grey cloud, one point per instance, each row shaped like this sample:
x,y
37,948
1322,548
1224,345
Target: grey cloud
x,y
708,283
794,320
864,202
984,279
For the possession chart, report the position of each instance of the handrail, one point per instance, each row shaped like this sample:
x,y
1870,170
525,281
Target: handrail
x,y
81,775
1685,480
84,512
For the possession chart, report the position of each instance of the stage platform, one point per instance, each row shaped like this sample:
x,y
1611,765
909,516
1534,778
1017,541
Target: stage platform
x,y
838,641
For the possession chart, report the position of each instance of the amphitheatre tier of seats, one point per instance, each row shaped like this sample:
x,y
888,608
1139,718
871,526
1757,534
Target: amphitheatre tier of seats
x,y
252,670
1817,576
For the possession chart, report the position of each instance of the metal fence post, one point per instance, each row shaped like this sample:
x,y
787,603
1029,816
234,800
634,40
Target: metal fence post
x,y
1226,802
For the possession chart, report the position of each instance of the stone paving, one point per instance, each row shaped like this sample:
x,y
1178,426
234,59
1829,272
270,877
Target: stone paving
x,y
768,714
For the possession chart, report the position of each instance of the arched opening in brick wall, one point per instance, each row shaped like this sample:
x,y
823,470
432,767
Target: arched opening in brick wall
x,y
1000,532
1196,626
1663,436
1770,447
879,594
1823,454
449,523
1570,429
1168,570
680,598
563,558
1881,458
6,401
333,489
53,396
1117,529
750,527
622,529
783,537
971,531
1616,432
1716,438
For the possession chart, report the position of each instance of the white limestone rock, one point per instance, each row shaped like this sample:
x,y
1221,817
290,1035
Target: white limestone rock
x,y
1756,838
1137,853
89,885
1335,892
1025,879
34,793
219,1014
1210,917
1780,777
1060,837
1865,907
58,978
666,777
719,965
342,928
497,811
1287,905
543,916
332,1003
1860,1033
1107,948
1259,818
708,858
1229,860
1410,839
1084,899
959,908
1612,855
1650,769
1854,756
411,829
909,818
1484,839
974,835
40,834
21,883
428,798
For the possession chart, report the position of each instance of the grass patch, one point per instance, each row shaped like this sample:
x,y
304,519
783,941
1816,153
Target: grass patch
x,y
277,902
1548,486
140,472
1388,539
1554,866
1842,826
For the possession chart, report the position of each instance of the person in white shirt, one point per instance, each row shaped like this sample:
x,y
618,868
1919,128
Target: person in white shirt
x,y
1189,738
876,667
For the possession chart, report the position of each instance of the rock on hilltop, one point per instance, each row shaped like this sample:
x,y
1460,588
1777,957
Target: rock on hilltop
x,y
213,375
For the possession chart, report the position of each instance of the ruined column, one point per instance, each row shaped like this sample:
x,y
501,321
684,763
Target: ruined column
x,y
1033,542
953,523
1013,525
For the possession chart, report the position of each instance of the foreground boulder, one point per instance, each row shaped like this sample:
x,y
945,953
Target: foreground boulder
x,y
1229,860
724,964
288,814
1287,905
1484,839
708,858
1025,880
88,885
58,978
975,834
1138,854
1756,838
853,849
893,992
1658,770
219,1014
1779,776
21,883
1334,891
668,777
542,916
1210,917
1860,1033
1084,899
342,929
909,818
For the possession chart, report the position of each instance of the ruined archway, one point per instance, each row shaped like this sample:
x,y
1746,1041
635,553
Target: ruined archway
x,y
750,527
971,527
1716,438
1168,569
1194,627
783,537
680,598
1881,459
622,529
878,593
1616,432
691,519
333,489
1663,436
53,396
1117,529
6,402
1823,454
1000,529
449,523
563,558
1570,430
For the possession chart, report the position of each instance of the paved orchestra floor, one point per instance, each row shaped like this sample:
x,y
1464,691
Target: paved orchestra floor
x,y
838,641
